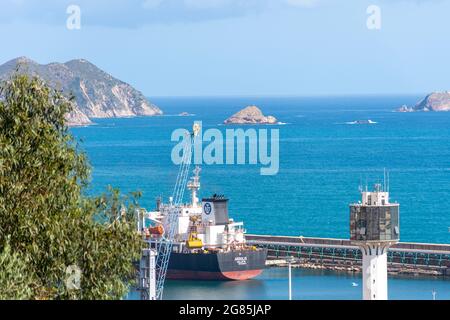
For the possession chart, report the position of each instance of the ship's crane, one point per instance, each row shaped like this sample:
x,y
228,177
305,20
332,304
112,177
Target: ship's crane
x,y
166,243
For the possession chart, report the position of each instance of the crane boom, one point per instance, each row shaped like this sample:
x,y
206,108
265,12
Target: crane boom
x,y
166,243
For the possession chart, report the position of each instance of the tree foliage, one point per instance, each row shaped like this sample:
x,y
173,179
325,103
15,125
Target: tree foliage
x,y
16,280
45,216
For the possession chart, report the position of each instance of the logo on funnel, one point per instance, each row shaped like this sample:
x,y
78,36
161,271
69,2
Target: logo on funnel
x,y
207,208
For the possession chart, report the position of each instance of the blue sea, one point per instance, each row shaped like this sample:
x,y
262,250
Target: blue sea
x,y
323,161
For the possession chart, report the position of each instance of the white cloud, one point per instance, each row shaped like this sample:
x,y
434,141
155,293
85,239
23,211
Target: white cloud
x,y
302,3
207,4
135,13
151,4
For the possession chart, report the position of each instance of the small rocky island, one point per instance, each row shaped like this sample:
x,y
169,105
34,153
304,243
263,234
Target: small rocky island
x,y
250,115
436,101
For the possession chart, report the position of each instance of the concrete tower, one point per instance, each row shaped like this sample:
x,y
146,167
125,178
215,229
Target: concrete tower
x,y
374,227
147,274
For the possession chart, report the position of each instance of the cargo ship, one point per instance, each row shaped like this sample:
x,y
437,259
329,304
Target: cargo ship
x,y
208,244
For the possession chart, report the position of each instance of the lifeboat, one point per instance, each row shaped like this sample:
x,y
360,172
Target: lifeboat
x,y
158,230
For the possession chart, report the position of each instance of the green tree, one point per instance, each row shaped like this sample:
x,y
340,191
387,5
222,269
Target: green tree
x,y
16,280
45,215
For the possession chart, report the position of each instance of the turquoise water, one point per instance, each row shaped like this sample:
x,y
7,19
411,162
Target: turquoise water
x,y
322,162
306,285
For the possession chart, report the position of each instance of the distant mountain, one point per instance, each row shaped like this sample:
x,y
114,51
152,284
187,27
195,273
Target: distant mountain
x,y
436,101
97,93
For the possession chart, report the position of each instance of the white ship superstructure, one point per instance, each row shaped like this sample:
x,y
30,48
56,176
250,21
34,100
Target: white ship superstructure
x,y
199,225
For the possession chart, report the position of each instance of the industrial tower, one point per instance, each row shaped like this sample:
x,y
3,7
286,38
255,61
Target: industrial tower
x,y
374,227
147,274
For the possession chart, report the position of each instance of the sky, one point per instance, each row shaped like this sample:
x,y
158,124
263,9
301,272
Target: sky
x,y
242,47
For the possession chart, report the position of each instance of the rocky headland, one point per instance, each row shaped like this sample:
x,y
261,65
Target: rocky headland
x,y
434,102
97,94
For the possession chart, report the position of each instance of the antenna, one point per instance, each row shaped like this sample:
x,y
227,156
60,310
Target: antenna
x,y
388,186
384,180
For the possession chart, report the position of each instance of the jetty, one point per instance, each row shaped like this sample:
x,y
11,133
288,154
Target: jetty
x,y
404,258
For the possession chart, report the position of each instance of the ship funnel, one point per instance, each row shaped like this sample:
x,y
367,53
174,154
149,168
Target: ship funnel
x,y
215,209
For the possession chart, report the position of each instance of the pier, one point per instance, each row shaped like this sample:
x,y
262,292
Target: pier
x,y
404,258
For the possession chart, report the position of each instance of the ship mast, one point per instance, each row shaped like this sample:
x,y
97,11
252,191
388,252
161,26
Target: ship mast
x,y
194,186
